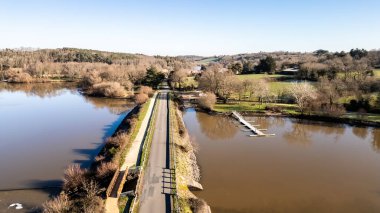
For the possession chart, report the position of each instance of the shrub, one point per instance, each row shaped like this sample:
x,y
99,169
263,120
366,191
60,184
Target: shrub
x,y
90,189
85,200
198,205
108,89
99,158
21,77
89,201
90,205
90,79
105,171
113,151
116,141
147,90
141,98
127,84
60,204
73,178
207,101
274,108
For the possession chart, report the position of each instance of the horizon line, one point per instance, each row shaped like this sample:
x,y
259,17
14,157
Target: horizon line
x,y
22,48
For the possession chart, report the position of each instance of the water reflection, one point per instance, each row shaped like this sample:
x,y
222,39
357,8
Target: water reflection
x,y
50,126
339,171
216,127
360,132
376,139
298,135
42,90
302,131
116,106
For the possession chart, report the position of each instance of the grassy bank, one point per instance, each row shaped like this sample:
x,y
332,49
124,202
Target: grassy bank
x,y
255,107
363,116
144,159
134,128
293,111
186,167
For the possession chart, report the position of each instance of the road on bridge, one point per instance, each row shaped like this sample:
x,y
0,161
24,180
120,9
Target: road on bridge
x,y
154,197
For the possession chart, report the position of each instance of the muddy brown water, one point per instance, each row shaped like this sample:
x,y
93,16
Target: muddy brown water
x,y
306,167
43,129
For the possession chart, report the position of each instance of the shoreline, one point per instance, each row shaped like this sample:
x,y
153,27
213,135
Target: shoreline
x,y
187,167
322,118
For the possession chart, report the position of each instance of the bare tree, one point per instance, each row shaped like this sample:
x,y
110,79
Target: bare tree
x,y
179,76
248,85
230,85
303,93
207,101
141,98
261,90
212,79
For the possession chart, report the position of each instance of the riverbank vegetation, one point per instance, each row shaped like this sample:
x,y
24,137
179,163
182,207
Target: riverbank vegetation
x,y
100,73
84,188
338,85
207,101
144,94
187,170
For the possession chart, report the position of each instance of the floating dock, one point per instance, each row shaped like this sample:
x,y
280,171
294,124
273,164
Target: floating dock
x,y
257,132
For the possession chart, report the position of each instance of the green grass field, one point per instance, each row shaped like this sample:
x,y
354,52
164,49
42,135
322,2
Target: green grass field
x,y
275,86
377,73
260,76
254,107
365,117
190,81
208,60
279,86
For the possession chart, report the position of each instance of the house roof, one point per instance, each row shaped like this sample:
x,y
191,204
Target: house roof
x,y
290,70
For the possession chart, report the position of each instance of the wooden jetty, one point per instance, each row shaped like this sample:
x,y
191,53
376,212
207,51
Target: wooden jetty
x,y
257,132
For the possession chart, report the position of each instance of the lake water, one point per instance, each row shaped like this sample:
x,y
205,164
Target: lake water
x,y
306,167
43,129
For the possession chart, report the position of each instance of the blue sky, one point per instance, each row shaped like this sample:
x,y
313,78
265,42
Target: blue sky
x,y
201,27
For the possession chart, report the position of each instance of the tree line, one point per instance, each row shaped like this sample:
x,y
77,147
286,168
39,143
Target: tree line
x,y
98,71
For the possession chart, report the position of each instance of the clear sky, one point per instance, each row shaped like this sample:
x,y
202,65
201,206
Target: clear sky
x,y
201,27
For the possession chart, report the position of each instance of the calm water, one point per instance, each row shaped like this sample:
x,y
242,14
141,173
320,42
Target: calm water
x,y
43,129
306,167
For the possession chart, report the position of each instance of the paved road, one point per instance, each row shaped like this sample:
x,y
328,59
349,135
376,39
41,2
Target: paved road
x,y
153,197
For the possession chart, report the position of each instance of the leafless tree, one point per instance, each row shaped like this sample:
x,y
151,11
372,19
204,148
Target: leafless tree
x,y
207,101
230,85
212,79
304,93
179,76
248,86
261,90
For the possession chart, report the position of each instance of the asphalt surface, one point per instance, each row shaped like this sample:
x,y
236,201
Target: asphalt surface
x,y
155,197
